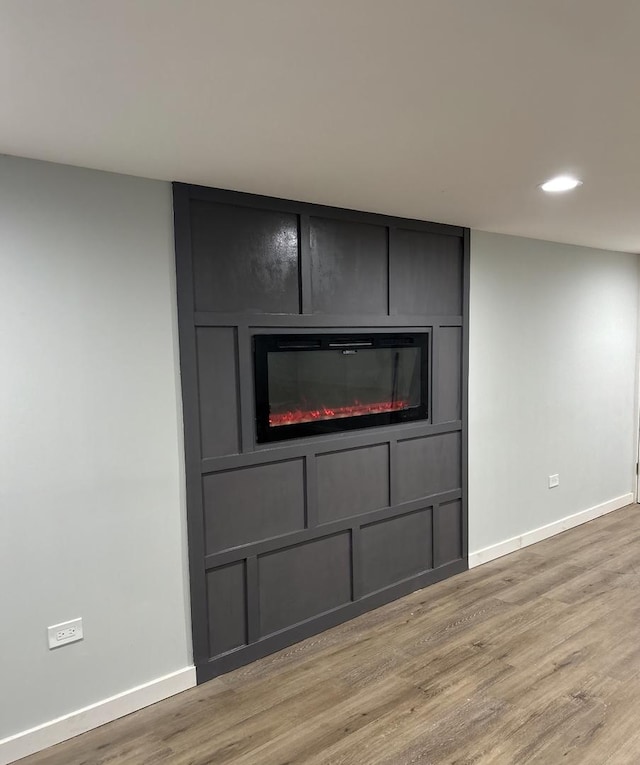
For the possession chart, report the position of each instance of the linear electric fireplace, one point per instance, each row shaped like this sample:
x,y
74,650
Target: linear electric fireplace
x,y
322,383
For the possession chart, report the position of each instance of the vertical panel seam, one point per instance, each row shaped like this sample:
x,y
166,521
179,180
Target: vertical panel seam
x,y
311,490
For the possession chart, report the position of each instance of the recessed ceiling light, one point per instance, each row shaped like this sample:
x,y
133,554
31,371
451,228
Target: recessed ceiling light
x,y
560,183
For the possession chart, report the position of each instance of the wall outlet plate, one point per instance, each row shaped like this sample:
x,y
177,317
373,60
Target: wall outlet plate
x,y
65,632
554,480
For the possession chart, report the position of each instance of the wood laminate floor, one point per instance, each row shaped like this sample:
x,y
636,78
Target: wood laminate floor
x,y
533,658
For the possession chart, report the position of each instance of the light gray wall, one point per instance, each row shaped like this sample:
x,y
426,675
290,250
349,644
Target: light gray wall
x,y
551,384
91,485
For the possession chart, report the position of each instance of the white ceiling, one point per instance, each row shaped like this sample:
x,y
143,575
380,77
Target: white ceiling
x,y
448,110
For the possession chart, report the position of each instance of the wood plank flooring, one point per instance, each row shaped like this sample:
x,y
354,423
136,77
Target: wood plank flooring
x,y
533,658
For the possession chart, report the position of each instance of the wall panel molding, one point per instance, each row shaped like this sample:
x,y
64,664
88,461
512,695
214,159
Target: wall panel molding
x,y
291,537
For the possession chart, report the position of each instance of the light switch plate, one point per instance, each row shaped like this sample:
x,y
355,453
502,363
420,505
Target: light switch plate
x,y
65,632
554,480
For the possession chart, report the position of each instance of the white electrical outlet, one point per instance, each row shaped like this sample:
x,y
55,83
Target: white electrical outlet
x,y
554,480
66,632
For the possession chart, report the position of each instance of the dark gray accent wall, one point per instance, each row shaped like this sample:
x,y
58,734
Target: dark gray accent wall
x,y
287,539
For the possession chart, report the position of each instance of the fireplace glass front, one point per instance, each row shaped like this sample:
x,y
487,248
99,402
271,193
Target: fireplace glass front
x,y
311,384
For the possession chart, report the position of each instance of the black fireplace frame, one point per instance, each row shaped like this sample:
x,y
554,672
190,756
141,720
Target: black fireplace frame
x,y
321,341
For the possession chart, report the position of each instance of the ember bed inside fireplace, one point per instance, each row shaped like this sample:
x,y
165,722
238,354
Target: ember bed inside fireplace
x,y
322,383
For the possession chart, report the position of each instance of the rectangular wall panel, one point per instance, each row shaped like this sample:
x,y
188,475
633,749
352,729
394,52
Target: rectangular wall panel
x,y
449,542
425,273
302,581
348,267
449,376
395,549
218,385
253,503
352,482
244,259
429,466
227,608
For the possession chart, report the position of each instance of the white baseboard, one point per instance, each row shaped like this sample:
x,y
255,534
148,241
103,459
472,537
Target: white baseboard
x,y
70,725
544,532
